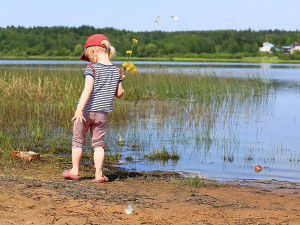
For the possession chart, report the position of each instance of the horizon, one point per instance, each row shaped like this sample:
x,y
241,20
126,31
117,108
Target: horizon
x,y
136,16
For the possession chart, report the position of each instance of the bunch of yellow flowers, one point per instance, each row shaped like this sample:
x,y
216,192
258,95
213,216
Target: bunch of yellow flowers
x,y
128,66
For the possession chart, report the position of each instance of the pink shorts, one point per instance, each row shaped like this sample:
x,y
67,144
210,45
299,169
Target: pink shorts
x,y
97,122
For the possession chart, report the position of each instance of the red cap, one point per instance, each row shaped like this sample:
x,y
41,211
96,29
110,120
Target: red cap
x,y
94,40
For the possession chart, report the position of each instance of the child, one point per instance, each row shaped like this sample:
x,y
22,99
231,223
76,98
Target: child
x,y
103,81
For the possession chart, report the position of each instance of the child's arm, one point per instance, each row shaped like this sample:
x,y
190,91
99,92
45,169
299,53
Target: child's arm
x,y
120,90
88,88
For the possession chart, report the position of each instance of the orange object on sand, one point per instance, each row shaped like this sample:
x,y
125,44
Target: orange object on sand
x,y
28,156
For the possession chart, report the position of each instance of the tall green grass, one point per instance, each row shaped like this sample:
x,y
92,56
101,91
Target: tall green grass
x,y
196,86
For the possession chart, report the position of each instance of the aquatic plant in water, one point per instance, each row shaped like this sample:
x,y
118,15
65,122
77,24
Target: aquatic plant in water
x,y
162,155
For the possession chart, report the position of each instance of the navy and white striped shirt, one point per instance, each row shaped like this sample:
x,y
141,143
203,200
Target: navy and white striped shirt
x,y
106,79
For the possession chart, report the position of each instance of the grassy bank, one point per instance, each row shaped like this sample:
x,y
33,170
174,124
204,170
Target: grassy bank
x,y
261,59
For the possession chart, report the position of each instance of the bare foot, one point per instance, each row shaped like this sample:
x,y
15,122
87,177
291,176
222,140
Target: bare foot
x,y
68,174
102,180
74,172
98,175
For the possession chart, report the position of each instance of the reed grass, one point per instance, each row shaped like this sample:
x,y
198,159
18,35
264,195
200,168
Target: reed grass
x,y
162,155
37,104
190,87
129,159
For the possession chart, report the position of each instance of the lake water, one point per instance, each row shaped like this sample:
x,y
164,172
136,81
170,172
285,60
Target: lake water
x,y
277,71
222,140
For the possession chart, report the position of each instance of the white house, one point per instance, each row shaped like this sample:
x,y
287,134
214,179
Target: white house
x,y
295,47
290,49
266,47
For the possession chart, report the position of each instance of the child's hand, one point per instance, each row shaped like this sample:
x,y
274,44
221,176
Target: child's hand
x,y
78,116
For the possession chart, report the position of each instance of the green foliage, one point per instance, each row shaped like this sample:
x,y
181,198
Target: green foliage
x,y
78,50
65,41
150,49
162,155
295,56
273,50
129,158
231,46
195,181
110,158
296,52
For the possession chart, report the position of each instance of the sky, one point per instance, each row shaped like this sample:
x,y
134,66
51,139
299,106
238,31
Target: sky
x,y
140,15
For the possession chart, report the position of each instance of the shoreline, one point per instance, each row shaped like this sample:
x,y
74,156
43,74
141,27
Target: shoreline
x,y
223,180
113,168
55,164
171,59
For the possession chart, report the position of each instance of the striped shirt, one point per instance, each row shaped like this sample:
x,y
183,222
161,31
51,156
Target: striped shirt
x,y
106,79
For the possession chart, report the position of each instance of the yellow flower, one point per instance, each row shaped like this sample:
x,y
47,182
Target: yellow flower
x,y
135,41
128,52
134,70
128,66
131,65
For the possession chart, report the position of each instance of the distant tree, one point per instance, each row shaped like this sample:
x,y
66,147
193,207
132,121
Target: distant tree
x,y
280,52
273,50
78,50
232,46
255,47
140,52
218,48
296,55
248,48
150,49
61,41
170,48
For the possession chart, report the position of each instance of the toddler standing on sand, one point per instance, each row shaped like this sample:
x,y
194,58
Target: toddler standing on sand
x,y
103,81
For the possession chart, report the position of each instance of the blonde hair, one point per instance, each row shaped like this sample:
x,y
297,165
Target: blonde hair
x,y
92,50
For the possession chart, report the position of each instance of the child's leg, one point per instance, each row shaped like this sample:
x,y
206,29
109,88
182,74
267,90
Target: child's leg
x,y
98,130
98,160
76,158
79,134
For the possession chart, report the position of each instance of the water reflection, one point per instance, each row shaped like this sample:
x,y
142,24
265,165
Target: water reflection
x,y
222,139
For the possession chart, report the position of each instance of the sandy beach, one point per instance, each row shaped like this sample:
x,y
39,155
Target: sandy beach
x,y
34,193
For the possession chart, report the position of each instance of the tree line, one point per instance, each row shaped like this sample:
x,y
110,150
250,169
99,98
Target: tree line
x,y
69,41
